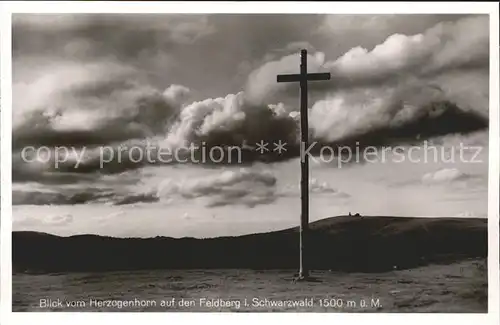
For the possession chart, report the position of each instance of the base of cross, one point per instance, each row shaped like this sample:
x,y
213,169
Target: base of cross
x,y
305,278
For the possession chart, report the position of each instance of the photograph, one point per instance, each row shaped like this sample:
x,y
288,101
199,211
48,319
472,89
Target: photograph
x,y
250,162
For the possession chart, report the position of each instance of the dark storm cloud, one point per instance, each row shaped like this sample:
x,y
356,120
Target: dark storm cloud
x,y
212,54
96,112
120,36
235,187
201,51
56,198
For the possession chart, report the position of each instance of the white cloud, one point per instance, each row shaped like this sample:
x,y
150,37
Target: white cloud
x,y
59,219
444,48
234,187
444,175
177,94
48,220
357,111
262,84
103,100
315,187
446,45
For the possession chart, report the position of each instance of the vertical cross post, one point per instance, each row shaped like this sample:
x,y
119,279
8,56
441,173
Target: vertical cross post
x,y
304,167
303,78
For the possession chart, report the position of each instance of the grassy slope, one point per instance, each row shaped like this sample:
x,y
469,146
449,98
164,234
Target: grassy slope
x,y
368,244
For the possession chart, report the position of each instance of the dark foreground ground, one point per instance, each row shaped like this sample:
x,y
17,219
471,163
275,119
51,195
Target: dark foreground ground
x,y
454,288
347,244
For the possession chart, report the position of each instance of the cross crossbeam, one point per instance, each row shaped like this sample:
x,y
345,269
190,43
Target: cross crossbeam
x,y
303,77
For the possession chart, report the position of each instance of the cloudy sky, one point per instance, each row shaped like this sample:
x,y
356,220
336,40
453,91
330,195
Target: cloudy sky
x,y
88,82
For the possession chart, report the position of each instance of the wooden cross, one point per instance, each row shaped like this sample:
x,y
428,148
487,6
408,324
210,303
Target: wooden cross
x,y
303,78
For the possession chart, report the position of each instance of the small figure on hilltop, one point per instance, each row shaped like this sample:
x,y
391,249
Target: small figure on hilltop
x,y
356,215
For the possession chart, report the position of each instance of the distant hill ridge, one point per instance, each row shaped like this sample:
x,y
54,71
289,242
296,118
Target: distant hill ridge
x,y
343,243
